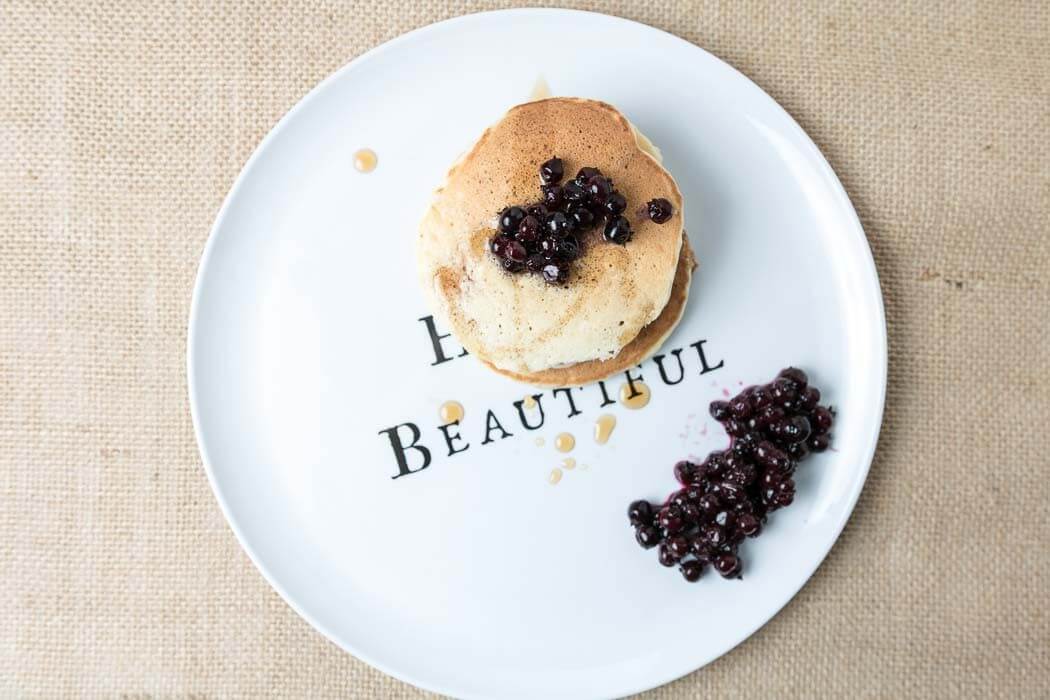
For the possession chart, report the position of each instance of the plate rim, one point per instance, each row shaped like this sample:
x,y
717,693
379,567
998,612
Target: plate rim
x,y
803,140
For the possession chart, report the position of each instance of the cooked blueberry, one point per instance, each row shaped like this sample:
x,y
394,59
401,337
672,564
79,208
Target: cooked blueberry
x,y
719,410
615,203
728,565
515,251
691,513
552,171
509,219
569,248
678,545
809,398
684,472
666,556
511,265
759,397
555,273
540,211
552,196
582,217
670,519
748,525
796,450
679,499
740,407
713,535
660,210
822,420
586,174
818,443
498,245
535,262
557,224
640,513
708,505
598,189
691,570
573,191
794,429
529,230
796,376
784,392
618,230
647,536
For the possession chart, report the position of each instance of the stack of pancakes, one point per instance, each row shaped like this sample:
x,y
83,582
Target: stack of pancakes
x,y
621,301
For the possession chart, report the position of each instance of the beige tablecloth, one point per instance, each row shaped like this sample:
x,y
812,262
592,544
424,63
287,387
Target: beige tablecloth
x,y
123,125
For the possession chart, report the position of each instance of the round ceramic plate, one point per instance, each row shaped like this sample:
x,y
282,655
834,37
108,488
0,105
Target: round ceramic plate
x,y
312,355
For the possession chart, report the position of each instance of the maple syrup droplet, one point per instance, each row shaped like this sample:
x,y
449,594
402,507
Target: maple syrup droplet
x,y
365,160
555,476
564,442
640,398
568,463
603,428
450,412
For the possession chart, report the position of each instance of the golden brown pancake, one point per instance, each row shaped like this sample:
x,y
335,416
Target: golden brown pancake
x,y
516,322
644,345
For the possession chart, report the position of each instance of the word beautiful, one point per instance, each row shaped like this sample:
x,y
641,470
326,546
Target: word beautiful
x,y
413,456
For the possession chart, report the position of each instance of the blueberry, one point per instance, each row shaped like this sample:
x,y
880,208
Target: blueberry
x,y
670,519
553,197
640,513
691,570
818,443
582,217
615,203
535,262
598,189
498,245
618,230
822,420
728,565
552,171
647,536
557,224
748,525
540,211
795,376
515,251
555,273
586,174
678,545
665,556
511,266
510,218
574,192
660,210
809,398
685,472
569,249
529,230
719,410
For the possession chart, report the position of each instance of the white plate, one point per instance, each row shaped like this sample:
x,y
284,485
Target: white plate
x,y
475,577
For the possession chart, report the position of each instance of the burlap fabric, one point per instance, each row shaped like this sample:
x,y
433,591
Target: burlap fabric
x,y
122,126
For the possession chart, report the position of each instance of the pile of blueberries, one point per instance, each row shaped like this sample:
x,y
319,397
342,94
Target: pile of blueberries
x,y
544,237
729,495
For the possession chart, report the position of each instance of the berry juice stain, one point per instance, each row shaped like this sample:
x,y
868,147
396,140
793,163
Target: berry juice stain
x,y
365,160
635,397
554,477
450,412
564,442
603,428
568,463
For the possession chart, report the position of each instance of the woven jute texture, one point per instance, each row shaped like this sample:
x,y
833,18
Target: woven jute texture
x,y
122,126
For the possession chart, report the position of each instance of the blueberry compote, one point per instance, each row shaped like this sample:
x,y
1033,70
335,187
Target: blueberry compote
x,y
728,497
545,237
